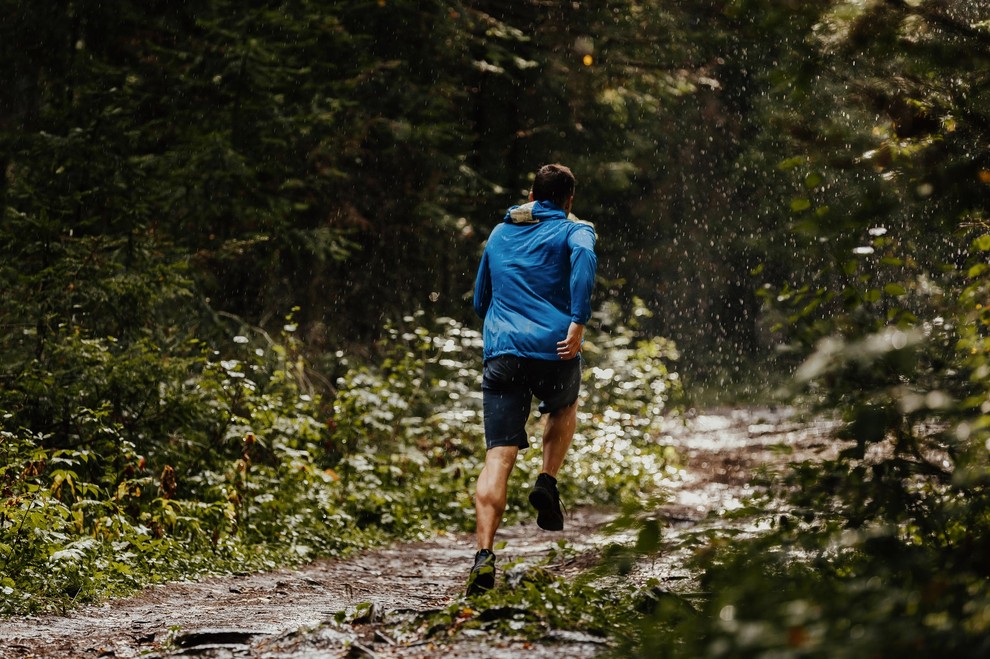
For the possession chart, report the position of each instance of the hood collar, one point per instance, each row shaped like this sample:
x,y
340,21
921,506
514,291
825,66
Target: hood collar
x,y
535,212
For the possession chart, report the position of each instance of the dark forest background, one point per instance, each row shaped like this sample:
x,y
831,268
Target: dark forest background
x,y
349,158
238,243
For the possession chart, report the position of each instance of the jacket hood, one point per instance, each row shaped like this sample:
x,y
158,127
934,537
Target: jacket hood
x,y
537,211
534,212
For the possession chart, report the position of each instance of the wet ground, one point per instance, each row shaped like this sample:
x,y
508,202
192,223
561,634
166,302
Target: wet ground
x,y
290,613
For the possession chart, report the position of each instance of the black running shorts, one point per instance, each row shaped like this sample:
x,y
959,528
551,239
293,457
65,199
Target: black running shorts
x,y
509,384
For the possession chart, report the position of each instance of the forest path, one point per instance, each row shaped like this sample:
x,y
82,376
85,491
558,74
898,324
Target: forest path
x,y
289,613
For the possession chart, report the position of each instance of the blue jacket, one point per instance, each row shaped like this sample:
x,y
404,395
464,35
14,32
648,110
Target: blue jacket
x,y
535,278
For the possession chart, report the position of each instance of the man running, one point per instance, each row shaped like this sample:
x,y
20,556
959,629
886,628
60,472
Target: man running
x,y
533,290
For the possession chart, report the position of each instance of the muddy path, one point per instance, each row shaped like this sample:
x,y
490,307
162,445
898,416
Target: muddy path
x,y
289,613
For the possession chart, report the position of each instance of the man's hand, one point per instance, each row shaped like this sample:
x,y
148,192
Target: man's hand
x,y
571,346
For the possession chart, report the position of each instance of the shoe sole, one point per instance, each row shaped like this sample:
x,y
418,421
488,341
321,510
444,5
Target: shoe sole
x,y
547,518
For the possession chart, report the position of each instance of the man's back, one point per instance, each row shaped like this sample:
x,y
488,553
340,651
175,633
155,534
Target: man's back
x,y
534,281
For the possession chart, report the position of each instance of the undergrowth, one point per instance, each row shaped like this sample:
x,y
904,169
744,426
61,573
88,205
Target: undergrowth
x,y
533,602
127,465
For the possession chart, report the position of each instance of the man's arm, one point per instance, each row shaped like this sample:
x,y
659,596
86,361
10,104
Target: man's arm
x,y
584,264
483,287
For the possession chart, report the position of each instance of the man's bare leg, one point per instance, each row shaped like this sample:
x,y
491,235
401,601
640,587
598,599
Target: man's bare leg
x,y
557,436
491,492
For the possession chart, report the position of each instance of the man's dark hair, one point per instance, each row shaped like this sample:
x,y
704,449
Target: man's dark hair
x,y
554,183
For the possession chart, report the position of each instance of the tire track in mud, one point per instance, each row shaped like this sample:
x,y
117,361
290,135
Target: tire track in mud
x,y
287,613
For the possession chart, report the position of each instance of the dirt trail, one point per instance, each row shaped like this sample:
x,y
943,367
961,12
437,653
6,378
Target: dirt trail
x,y
284,613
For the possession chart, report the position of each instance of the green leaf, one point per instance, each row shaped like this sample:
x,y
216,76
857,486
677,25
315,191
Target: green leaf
x,y
791,163
799,204
648,540
982,243
894,289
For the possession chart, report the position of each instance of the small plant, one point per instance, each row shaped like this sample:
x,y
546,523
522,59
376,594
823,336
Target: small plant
x,y
530,604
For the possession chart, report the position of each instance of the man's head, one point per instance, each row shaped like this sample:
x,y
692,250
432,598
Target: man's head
x,y
554,183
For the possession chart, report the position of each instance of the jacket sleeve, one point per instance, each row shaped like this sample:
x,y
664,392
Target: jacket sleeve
x,y
483,287
584,264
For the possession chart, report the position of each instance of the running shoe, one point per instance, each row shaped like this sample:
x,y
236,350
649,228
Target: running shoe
x,y
545,498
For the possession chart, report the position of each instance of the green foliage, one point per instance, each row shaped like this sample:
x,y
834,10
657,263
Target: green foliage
x,y
419,411
879,548
782,594
533,604
164,465
156,471
629,388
